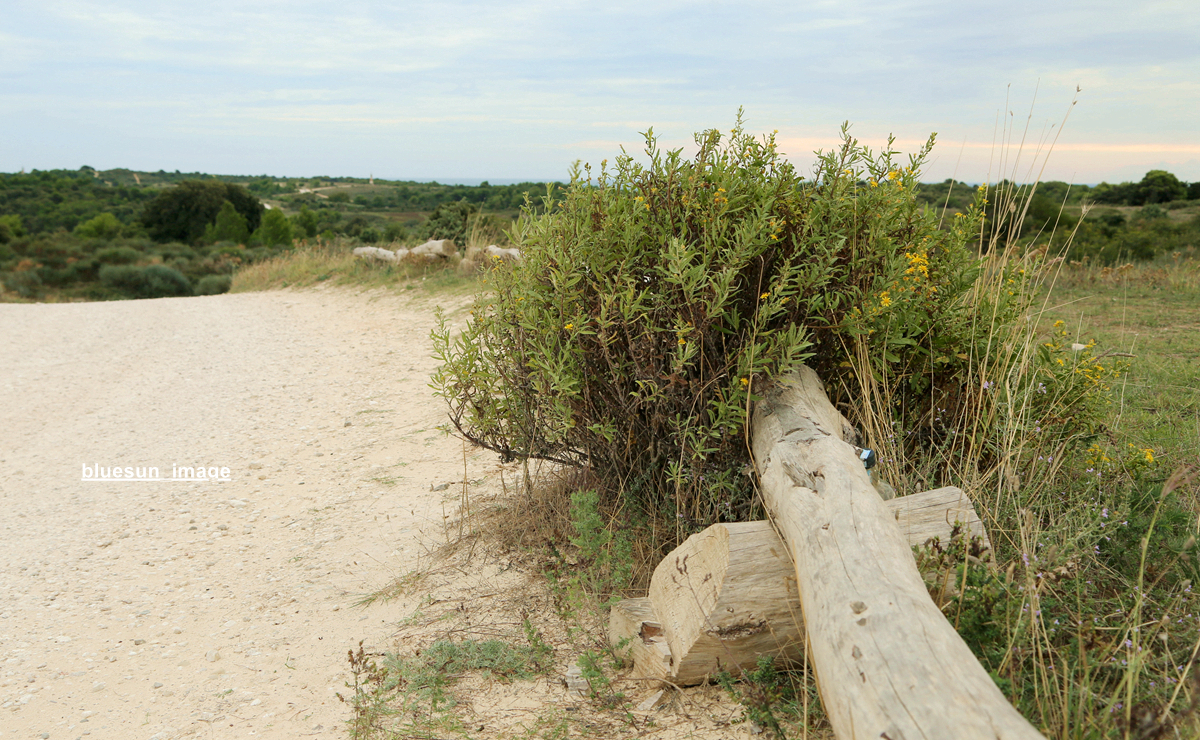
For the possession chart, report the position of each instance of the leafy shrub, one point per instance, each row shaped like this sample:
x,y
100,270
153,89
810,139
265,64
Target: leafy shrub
x,y
275,231
213,284
449,221
154,281
652,301
119,255
10,228
229,226
25,283
104,226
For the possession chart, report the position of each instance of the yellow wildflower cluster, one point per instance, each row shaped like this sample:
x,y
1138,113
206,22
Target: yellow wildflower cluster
x,y
918,264
1096,456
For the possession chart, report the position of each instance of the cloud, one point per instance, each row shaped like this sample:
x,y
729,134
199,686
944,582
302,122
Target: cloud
x,y
505,81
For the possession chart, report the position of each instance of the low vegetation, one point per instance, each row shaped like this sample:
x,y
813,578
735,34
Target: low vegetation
x,y
1059,392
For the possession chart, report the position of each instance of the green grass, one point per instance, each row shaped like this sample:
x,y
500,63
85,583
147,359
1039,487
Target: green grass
x,y
396,695
1151,311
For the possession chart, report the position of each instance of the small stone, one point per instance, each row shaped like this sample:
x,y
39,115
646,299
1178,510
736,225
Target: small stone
x,y
98,686
158,684
650,701
256,702
139,642
177,631
212,656
45,736
577,685
222,527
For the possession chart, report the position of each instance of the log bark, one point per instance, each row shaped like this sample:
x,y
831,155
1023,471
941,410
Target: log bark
x,y
887,662
728,595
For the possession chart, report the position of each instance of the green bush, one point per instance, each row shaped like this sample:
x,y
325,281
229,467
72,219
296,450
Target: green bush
x,y
275,231
449,221
651,302
104,226
154,281
24,283
119,255
213,284
229,226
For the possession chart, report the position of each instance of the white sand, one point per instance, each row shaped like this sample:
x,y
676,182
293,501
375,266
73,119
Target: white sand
x,y
166,609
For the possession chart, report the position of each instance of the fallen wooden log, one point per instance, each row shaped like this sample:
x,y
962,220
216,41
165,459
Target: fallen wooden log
x,y
511,254
376,253
888,664
728,594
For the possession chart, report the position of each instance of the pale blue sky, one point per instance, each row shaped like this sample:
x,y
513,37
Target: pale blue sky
x,y
516,90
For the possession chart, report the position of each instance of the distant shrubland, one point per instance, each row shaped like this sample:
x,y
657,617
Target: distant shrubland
x,y
58,228
90,235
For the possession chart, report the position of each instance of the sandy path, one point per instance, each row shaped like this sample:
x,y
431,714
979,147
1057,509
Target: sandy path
x,y
164,609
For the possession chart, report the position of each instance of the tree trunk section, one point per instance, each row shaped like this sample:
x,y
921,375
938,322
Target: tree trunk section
x,y
727,595
887,662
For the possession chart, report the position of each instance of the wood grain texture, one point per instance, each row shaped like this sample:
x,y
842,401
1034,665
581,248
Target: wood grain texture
x,y
888,664
727,595
724,597
635,632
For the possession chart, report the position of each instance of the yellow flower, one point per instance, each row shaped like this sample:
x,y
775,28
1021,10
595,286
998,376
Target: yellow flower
x,y
893,175
745,381
1149,455
569,327
884,299
764,296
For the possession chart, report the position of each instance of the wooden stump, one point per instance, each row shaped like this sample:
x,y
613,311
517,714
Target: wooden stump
x,y
728,594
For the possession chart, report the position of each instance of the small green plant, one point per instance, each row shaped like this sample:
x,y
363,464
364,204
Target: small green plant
x,y
775,699
418,690
605,553
600,686
372,689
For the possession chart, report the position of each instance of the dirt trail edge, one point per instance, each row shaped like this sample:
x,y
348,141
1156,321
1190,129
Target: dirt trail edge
x,y
163,609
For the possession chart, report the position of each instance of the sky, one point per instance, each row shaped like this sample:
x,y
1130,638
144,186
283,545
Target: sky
x,y
519,90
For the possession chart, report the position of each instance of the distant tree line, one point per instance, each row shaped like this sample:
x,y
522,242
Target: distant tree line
x,y
1158,186
121,234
